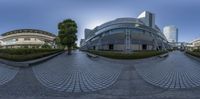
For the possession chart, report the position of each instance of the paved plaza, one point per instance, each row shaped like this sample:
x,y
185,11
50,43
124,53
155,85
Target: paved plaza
x,y
80,77
177,71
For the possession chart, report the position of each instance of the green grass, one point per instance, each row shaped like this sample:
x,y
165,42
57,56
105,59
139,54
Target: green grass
x,y
20,55
132,55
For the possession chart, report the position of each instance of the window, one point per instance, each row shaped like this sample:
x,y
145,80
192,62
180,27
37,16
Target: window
x,y
27,39
94,47
111,46
144,47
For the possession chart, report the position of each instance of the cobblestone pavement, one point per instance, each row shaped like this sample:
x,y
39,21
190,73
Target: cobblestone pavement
x,y
64,77
7,73
77,73
176,71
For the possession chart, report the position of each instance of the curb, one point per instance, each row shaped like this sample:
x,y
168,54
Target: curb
x,y
29,63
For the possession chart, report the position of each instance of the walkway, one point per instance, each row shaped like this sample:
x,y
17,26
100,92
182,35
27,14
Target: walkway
x,y
77,73
80,77
176,71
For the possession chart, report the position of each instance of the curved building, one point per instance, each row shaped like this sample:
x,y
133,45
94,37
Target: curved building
x,y
26,38
126,34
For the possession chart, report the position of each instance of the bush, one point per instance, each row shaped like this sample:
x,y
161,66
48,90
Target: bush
x,y
132,55
194,53
25,51
26,54
46,46
196,50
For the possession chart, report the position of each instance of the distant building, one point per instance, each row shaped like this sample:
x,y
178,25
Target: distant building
x,y
196,44
171,33
82,42
126,34
193,45
26,38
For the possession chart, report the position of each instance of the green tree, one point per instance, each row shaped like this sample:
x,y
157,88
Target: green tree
x,y
45,45
67,33
58,43
75,46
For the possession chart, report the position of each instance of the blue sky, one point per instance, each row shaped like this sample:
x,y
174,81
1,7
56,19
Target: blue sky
x,y
46,14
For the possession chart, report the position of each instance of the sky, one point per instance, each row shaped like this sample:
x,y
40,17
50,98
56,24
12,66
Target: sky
x,y
46,14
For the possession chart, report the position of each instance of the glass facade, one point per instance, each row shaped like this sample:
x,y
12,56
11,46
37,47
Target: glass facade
x,y
126,34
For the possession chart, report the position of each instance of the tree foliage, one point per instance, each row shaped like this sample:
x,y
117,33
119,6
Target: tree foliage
x,y
45,45
67,33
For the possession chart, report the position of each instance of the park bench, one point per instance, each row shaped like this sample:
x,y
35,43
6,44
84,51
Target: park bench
x,y
91,55
163,55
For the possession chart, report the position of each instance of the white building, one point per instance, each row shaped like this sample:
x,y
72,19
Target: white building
x,y
26,38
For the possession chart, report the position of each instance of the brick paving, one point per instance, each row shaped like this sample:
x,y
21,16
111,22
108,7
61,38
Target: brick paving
x,y
80,77
176,71
77,73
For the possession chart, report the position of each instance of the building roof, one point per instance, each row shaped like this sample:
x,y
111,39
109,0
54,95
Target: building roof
x,y
28,31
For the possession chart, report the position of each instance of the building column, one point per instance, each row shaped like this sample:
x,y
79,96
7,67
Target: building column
x,y
128,40
155,46
99,43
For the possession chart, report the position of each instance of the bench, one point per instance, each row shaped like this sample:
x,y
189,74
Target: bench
x,y
163,55
91,55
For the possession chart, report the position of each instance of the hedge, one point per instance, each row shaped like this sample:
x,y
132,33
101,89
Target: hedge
x,y
194,53
131,55
25,54
25,51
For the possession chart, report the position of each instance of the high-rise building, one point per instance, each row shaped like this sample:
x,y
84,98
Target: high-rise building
x,y
171,33
148,18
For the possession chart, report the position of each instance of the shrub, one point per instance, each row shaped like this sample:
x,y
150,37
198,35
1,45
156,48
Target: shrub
x,y
194,53
25,51
46,46
132,55
26,54
196,50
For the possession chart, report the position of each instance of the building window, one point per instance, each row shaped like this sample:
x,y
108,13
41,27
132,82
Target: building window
x,y
27,39
111,46
144,47
94,47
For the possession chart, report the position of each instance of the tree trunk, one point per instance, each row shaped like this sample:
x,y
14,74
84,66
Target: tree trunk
x,y
69,50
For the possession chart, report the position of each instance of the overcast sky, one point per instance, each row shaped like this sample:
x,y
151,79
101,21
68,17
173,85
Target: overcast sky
x,y
46,14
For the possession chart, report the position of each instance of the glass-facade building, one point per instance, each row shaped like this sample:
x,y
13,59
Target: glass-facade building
x,y
126,34
171,33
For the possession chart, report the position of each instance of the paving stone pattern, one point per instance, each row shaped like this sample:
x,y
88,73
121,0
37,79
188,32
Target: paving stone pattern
x,y
77,73
176,71
7,74
80,77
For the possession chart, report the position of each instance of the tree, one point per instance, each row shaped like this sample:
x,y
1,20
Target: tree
x,y
75,46
67,33
58,44
45,45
